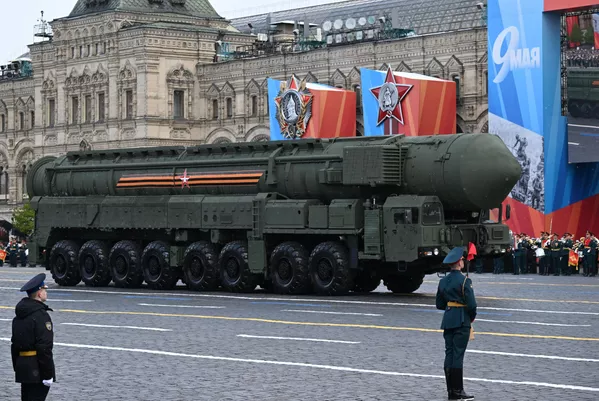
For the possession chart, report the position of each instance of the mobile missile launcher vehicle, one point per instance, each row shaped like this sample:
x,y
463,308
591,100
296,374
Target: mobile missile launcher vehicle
x,y
324,216
583,92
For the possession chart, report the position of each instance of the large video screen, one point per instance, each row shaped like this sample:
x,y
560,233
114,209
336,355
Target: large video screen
x,y
580,58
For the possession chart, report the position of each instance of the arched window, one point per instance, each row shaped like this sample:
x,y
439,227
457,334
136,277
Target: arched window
x,y
24,179
254,106
229,107
358,91
456,79
215,109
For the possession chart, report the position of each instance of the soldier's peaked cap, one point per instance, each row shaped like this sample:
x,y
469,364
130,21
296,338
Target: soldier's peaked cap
x,y
454,255
35,284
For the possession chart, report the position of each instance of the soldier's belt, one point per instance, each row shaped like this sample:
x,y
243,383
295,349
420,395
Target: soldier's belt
x,y
557,249
28,353
456,304
587,247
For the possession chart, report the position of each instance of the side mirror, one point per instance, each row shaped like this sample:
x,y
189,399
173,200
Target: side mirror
x,y
508,212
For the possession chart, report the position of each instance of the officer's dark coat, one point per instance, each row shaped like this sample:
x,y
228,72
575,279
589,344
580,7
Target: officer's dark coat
x,y
450,289
32,330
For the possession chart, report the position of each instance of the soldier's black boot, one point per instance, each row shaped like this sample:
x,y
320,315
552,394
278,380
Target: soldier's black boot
x,y
457,376
451,394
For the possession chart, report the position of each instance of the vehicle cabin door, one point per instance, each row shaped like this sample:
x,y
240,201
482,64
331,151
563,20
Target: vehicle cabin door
x,y
402,232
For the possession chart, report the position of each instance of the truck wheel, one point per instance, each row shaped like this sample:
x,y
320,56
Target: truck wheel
x,y
403,284
289,269
235,273
155,262
125,267
93,263
63,263
200,266
329,269
366,281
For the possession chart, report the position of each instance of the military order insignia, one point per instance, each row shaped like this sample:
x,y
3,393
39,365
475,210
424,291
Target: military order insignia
x,y
294,108
389,96
49,325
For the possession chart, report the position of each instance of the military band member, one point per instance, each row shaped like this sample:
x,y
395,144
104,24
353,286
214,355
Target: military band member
x,y
518,252
567,246
547,249
32,342
556,252
456,297
539,244
592,262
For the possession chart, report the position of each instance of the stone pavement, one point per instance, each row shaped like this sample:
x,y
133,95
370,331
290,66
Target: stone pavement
x,y
536,339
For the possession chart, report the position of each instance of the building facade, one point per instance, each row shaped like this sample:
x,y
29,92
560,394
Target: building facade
x,y
137,73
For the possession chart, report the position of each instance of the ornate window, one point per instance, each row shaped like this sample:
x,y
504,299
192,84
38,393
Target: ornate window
x,y
435,69
228,95
455,70
23,114
127,90
252,92
3,178
49,95
24,164
338,79
180,83
213,95
264,98
229,103
215,109
3,114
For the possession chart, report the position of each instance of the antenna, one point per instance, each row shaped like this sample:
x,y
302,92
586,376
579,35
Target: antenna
x,y
43,29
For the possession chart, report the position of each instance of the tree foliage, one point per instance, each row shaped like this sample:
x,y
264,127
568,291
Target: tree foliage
x,y
23,219
576,35
589,37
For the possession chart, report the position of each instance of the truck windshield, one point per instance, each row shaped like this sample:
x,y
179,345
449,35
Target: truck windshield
x,y
432,214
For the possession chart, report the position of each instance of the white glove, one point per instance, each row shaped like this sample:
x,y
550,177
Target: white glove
x,y
48,382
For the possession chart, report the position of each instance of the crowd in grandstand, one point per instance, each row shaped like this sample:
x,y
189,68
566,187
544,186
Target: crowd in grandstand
x,y
582,57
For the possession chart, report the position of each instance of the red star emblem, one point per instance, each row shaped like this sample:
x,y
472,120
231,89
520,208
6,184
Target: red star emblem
x,y
184,180
396,112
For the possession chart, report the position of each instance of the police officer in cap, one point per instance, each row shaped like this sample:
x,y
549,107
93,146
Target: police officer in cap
x,y
32,342
456,297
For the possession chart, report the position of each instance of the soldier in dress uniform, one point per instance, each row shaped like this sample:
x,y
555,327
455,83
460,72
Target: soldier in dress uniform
x,y
456,297
23,254
556,254
13,250
32,342
567,246
547,249
592,255
542,259
518,250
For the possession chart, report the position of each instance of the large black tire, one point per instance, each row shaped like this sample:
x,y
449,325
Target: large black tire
x,y
290,272
155,262
235,273
329,269
366,281
200,266
403,284
93,264
63,263
125,265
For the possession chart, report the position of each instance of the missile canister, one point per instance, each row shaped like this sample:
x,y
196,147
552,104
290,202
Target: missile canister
x,y
466,171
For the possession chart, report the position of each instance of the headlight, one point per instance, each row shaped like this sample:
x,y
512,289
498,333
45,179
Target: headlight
x,y
503,251
436,251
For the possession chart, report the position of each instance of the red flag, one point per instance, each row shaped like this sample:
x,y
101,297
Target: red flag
x,y
471,251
